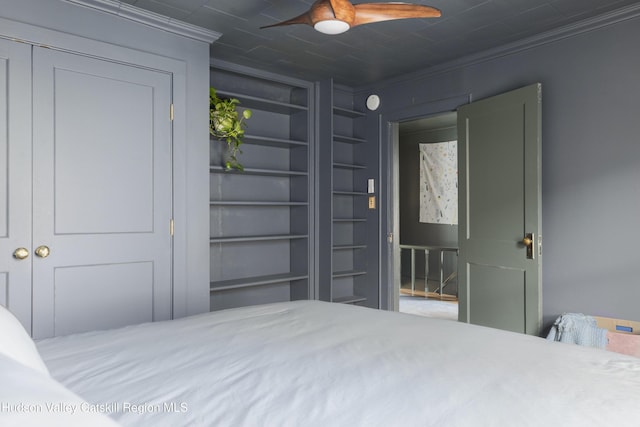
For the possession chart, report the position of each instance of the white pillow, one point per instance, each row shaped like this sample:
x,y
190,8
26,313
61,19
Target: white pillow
x,y
16,343
29,397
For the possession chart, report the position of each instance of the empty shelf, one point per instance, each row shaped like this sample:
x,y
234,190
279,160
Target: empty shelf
x,y
225,285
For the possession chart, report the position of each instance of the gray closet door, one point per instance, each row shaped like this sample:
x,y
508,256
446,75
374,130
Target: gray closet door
x,y
102,194
499,156
15,179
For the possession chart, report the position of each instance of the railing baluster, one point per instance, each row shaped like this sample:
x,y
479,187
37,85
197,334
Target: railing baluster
x,y
413,271
426,249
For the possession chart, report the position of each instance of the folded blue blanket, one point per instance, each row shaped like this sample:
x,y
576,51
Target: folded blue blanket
x,y
577,328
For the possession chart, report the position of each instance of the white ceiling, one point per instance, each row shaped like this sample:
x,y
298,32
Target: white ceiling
x,y
369,53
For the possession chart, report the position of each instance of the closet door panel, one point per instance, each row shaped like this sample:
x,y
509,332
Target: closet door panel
x,y
95,159
102,191
15,178
101,288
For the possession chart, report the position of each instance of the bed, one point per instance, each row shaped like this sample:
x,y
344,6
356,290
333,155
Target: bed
x,y
311,363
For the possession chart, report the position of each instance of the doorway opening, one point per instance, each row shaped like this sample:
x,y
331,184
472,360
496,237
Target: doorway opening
x,y
427,207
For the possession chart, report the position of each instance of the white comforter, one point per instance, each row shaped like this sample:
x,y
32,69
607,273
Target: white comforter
x,y
310,363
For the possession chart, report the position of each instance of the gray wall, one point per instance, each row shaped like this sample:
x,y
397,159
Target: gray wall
x,y
591,154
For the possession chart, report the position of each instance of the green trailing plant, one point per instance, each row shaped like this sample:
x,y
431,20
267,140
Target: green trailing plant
x,y
226,124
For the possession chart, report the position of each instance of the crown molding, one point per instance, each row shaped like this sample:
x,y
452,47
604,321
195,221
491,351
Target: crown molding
x,y
150,19
567,31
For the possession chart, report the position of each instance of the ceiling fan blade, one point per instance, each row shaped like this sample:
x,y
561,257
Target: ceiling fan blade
x,y
321,10
367,13
343,10
305,18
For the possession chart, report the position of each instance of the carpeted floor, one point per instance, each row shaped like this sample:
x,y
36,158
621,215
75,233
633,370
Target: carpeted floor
x,y
429,307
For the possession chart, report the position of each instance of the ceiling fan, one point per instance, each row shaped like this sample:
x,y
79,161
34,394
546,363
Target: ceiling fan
x,y
337,16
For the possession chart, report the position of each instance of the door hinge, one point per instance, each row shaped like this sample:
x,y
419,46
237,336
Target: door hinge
x,y
171,112
390,237
171,227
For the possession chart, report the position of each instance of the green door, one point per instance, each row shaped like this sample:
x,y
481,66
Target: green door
x,y
499,143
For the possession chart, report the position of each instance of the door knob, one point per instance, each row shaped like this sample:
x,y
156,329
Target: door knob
x,y
42,251
20,253
528,241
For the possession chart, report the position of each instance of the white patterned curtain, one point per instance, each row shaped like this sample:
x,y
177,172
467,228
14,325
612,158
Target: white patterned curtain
x,y
439,183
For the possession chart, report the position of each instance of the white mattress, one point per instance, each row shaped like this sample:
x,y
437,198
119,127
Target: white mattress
x,y
310,363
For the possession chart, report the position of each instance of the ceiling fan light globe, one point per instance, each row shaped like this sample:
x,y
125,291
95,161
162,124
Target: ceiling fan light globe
x,y
331,26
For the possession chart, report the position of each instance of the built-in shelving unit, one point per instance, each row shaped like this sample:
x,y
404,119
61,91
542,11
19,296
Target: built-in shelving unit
x,y
261,219
343,202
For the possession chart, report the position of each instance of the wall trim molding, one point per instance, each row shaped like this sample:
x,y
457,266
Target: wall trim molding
x,y
551,36
150,19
